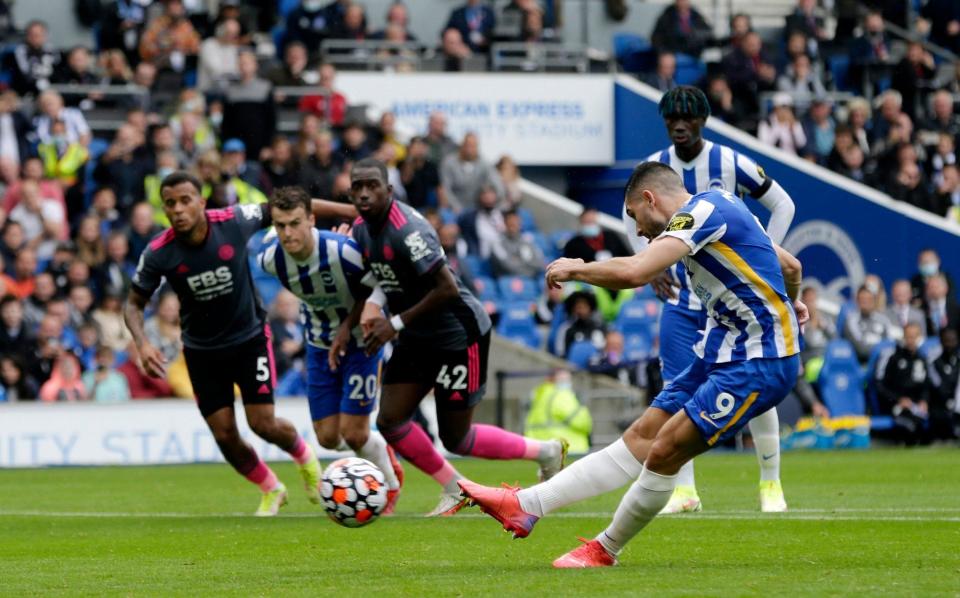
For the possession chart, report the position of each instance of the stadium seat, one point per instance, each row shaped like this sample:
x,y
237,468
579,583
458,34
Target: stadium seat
x,y
285,7
528,223
580,354
690,70
517,324
634,52
559,238
638,346
478,266
559,316
878,356
841,380
930,349
518,288
839,67
639,316
550,251
486,288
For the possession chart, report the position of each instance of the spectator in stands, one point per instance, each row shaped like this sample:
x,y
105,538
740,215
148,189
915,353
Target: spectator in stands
x,y
475,21
386,132
819,330
63,160
320,168
122,25
866,326
85,349
331,106
943,119
115,272
170,38
234,164
141,385
941,307
662,78
287,331
142,228
510,177
353,145
942,155
482,227
43,221
77,69
52,110
32,171
218,58
555,412
819,128
440,144
903,387
947,198
591,243
78,274
35,305
18,385
463,175
875,285
397,16
420,175
16,335
900,311
280,169
748,72
781,129
65,382
151,96
109,320
308,24
908,186
583,324
516,254
945,384
24,272
116,69
871,48
352,26
928,266
33,63
859,115
898,132
613,362
124,166
913,78
194,137
15,129
740,25
723,105
46,349
680,28
11,243
295,70
455,248
104,384
801,82
943,22
90,246
804,19
454,50
80,302
249,101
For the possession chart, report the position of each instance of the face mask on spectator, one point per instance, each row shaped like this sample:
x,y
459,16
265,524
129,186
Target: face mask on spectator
x,y
216,118
312,5
929,268
590,230
164,172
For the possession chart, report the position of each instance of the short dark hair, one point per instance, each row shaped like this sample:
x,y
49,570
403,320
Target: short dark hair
x,y
652,173
684,100
290,198
7,299
372,163
181,176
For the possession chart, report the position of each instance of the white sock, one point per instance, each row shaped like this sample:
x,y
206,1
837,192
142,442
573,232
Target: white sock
x,y
765,429
375,451
593,475
685,475
343,446
645,498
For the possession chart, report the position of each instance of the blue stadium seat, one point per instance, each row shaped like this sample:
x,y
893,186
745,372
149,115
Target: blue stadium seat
x,y
518,288
478,266
841,380
517,324
580,353
550,251
842,316
877,422
634,52
559,238
559,316
839,66
527,222
639,316
486,288
638,346
931,349
690,70
285,7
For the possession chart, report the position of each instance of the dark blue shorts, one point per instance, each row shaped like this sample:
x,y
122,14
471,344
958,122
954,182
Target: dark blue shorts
x,y
679,332
721,398
352,389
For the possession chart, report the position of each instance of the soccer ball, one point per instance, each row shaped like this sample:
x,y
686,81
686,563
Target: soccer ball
x,y
353,491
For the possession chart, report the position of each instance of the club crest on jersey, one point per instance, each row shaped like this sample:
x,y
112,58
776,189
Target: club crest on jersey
x,y
717,185
680,221
417,246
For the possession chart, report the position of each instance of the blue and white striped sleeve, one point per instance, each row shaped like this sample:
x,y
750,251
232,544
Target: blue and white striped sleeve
x,y
350,257
749,175
697,224
266,259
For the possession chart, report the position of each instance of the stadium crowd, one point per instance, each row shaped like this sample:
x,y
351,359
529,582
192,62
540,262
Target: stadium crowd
x,y
78,207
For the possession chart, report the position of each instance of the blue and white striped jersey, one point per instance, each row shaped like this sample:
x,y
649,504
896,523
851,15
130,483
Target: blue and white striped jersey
x,y
327,283
716,167
735,274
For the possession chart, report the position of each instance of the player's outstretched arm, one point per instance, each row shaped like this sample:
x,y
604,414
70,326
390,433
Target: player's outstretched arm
x,y
620,272
324,208
152,360
793,278
782,209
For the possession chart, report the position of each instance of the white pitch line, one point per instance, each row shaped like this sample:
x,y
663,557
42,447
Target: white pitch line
x,y
799,515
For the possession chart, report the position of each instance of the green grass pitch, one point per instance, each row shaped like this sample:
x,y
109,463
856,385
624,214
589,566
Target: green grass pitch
x,y
880,522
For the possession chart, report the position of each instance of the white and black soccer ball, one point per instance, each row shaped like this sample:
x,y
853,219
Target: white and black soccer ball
x,y
354,491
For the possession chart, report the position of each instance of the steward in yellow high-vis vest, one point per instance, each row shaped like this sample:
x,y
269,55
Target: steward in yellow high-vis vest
x,y
63,162
555,412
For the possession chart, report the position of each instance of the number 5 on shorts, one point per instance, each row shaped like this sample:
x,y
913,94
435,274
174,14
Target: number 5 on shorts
x,y
263,369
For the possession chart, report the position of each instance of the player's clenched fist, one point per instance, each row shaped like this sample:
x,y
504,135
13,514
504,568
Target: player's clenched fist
x,y
370,313
561,271
152,361
380,332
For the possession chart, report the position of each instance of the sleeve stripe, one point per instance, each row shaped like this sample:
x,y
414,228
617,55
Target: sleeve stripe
x,y
351,256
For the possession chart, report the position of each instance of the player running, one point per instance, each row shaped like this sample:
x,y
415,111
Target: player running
x,y
442,339
325,270
704,165
226,340
747,358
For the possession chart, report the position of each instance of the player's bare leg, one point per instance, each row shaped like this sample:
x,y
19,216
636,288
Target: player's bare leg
x,y
244,459
394,421
276,430
677,442
598,473
461,436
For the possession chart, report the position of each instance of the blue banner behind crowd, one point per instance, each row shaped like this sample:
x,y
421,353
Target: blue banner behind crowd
x,y
838,232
